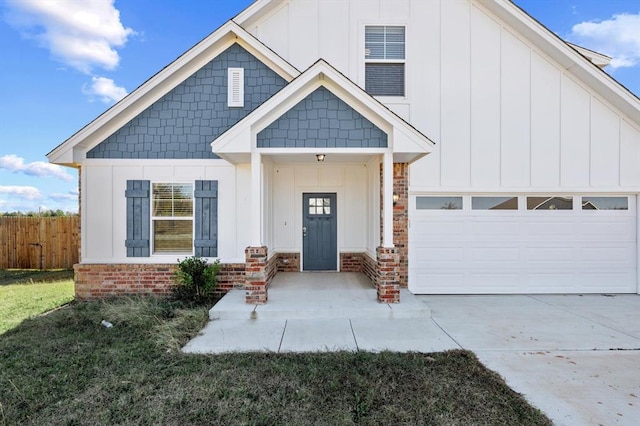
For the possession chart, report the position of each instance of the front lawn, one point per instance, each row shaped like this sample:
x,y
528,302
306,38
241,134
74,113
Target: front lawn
x,y
25,293
66,368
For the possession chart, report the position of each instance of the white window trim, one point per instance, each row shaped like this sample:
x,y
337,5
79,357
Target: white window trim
x,y
363,60
153,218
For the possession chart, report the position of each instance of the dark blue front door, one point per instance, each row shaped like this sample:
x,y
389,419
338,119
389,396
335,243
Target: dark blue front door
x,y
319,232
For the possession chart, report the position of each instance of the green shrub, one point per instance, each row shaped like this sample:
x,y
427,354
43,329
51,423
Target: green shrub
x,y
196,280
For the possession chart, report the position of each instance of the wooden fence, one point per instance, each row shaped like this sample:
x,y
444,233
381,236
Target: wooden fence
x,y
38,242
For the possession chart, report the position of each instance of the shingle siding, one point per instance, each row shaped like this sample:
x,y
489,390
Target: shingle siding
x,y
322,120
184,122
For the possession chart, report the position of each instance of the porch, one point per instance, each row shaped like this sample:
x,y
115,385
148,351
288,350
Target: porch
x,y
319,311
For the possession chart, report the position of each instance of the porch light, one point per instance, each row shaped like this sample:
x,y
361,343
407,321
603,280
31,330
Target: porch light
x,y
396,198
320,157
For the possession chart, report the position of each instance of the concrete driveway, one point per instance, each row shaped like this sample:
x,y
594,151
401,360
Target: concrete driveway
x,y
577,358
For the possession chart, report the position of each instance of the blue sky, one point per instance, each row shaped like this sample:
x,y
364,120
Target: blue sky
x,y
67,61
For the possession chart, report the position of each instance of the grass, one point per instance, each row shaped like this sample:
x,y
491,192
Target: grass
x,y
65,368
25,293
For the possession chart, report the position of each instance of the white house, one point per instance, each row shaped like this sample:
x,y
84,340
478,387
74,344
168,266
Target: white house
x,y
451,146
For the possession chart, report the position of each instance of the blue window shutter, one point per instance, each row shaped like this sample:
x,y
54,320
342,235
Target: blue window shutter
x,y
138,218
206,217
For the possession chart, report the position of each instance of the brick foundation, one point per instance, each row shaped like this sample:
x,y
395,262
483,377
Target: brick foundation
x,y
351,262
369,268
288,262
95,281
359,262
387,263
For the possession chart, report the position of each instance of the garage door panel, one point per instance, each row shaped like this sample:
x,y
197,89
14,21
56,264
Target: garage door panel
x,y
494,254
523,251
551,254
623,229
620,255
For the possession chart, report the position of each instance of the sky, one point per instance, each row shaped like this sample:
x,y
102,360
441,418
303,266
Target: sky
x,y
64,62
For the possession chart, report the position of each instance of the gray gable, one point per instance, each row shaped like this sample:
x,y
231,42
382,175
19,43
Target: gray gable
x,y
184,122
322,120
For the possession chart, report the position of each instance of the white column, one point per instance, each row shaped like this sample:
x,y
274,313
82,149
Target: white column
x,y
256,199
387,208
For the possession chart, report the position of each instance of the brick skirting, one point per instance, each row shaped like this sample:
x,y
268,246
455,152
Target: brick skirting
x,y
95,281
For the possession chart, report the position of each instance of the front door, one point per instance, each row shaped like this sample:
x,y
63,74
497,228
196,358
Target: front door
x,y
319,232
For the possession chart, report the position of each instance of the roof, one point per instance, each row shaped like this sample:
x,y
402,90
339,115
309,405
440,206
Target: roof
x,y
71,151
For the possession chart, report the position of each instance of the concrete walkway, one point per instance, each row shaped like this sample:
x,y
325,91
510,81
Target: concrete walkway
x,y
577,358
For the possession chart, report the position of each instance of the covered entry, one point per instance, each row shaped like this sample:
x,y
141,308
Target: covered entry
x,y
320,159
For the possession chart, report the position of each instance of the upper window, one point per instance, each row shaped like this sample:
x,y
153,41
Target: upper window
x,y
172,218
384,54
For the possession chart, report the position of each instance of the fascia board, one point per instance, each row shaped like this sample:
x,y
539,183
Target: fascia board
x,y
164,81
256,10
572,61
597,58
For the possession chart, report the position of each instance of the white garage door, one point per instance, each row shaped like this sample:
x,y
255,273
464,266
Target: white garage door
x,y
522,244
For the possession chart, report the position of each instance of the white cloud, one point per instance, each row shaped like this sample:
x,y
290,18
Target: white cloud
x,y
16,164
618,37
24,192
82,34
105,89
69,196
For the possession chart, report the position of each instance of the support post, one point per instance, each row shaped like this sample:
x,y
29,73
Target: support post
x,y
387,285
256,275
387,200
256,199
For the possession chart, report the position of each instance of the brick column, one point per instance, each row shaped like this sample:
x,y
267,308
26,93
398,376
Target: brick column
x,y
401,220
256,275
387,262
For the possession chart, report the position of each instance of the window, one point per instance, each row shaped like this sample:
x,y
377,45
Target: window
x,y
494,203
172,217
439,203
384,53
605,203
550,203
319,206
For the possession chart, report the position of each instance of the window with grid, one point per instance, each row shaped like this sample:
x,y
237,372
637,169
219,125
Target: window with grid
x,y
172,217
384,54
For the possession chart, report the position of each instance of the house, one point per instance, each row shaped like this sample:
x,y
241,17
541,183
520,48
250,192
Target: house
x,y
449,146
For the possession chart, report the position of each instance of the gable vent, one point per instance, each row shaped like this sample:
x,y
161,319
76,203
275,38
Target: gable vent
x,y
235,93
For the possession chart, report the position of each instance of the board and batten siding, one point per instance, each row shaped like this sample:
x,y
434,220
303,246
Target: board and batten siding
x,y
503,113
351,183
104,205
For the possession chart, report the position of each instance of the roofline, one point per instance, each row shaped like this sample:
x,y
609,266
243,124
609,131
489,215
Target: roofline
x,y
368,101
589,53
569,58
194,56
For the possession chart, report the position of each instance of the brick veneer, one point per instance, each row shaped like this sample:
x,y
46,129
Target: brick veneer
x,y
401,220
94,281
256,275
387,274
350,262
288,262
